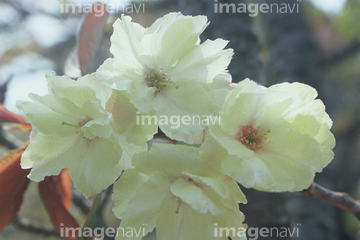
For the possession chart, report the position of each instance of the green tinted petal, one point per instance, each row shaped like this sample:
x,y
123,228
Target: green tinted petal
x,y
125,188
125,43
127,119
41,154
218,186
289,175
45,119
184,117
93,165
178,36
187,224
169,158
203,62
78,91
97,128
227,224
99,167
195,197
144,207
297,146
248,172
109,74
301,92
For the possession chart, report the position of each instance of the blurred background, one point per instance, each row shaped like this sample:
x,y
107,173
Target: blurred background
x,y
319,46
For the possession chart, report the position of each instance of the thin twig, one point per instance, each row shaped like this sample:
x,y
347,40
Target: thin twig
x,y
348,51
25,225
105,198
338,199
79,201
4,141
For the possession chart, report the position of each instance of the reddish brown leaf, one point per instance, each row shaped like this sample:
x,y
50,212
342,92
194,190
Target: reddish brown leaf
x,y
54,192
26,127
13,183
10,117
64,187
90,35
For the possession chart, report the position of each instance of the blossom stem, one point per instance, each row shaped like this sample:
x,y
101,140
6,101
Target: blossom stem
x,y
90,219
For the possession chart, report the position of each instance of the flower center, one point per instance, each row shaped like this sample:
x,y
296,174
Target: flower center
x,y
158,80
251,137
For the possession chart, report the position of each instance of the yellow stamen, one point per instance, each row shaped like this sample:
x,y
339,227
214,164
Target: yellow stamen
x,y
158,80
251,138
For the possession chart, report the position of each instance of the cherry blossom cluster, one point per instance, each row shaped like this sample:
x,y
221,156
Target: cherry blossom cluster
x,y
270,139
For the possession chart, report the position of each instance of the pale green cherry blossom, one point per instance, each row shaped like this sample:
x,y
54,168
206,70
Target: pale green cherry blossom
x,y
166,69
171,190
272,139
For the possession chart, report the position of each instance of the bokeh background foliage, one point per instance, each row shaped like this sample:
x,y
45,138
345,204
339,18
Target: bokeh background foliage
x,y
315,46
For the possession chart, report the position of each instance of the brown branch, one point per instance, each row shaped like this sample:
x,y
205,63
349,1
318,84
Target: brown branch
x,y
105,198
348,51
25,225
79,200
338,199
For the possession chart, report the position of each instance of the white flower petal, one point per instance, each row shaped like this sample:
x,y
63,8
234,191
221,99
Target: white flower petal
x,y
177,105
144,207
203,62
124,190
195,197
125,43
181,226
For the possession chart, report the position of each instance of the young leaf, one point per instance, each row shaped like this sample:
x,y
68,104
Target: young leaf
x,y
90,35
13,183
10,117
26,127
88,40
54,192
64,187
